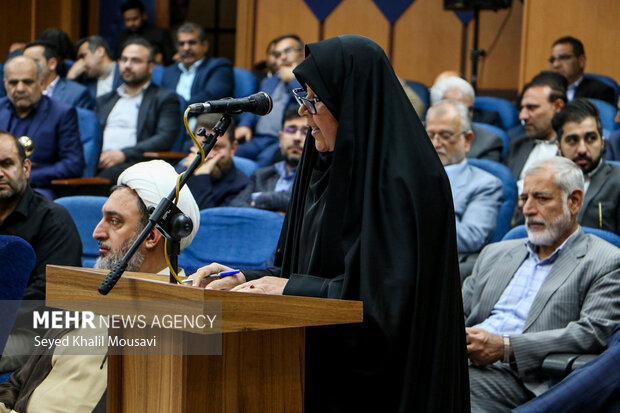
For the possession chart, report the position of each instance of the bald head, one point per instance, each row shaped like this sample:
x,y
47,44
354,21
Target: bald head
x,y
22,81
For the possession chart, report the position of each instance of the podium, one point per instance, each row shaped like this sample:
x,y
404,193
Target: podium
x,y
261,368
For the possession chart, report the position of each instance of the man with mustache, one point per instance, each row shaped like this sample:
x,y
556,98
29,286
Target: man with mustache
x,y
580,138
270,187
556,292
217,181
138,116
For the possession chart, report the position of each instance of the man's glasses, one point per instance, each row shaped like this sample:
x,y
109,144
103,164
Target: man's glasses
x,y
303,100
289,51
443,136
561,58
294,129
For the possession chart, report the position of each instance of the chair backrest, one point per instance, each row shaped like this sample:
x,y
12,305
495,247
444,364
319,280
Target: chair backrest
x,y
247,166
607,114
157,75
509,194
245,82
497,131
91,137
86,213
421,90
521,232
507,111
237,237
615,163
18,260
607,80
517,232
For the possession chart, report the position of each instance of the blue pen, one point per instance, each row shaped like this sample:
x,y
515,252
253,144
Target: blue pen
x,y
218,275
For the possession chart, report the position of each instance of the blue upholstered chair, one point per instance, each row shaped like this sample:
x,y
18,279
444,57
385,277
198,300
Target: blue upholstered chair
x,y
157,74
607,114
18,260
91,137
245,83
521,232
507,111
615,163
86,213
247,166
607,80
237,237
509,194
497,131
421,90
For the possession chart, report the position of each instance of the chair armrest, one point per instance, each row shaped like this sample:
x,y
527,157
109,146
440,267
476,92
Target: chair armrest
x,y
81,181
558,365
583,359
81,186
166,156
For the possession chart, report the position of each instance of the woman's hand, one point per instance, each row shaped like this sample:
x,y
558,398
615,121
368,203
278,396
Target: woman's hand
x,y
264,285
201,278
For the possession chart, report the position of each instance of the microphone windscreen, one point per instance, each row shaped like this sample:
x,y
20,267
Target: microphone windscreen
x,y
264,104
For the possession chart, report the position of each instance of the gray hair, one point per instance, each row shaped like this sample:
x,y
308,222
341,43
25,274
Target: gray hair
x,y
568,176
442,86
189,27
440,109
36,65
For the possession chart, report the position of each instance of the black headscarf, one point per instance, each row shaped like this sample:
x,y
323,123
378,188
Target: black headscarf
x,y
374,221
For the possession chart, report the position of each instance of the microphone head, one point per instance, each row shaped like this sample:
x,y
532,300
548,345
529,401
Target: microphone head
x,y
263,103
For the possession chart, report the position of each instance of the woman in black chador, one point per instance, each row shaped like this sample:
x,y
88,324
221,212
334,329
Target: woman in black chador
x,y
371,219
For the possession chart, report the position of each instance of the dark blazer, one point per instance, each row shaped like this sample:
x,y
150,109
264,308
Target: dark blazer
x,y
209,193
604,189
263,180
594,88
574,310
486,145
91,84
73,94
159,120
518,152
487,116
54,130
214,80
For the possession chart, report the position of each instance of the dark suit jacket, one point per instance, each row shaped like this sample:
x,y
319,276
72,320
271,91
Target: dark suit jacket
x,y
487,116
263,180
54,130
604,189
73,94
159,120
518,152
486,145
214,80
91,84
594,88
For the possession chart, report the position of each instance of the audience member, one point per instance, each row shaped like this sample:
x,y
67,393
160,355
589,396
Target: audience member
x,y
136,24
476,193
217,181
63,45
198,77
270,187
544,96
138,116
77,383
568,58
269,66
485,145
416,102
54,86
258,135
613,143
51,125
580,139
45,225
559,292
94,67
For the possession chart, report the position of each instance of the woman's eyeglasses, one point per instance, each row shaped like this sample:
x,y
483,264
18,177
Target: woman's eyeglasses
x,y
303,100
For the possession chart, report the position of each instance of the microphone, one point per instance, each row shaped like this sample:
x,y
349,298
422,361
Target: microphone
x,y
259,103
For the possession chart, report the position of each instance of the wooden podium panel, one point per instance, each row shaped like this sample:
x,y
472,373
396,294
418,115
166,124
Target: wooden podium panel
x,y
261,368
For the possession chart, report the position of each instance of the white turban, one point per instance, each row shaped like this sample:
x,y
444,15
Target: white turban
x,y
153,181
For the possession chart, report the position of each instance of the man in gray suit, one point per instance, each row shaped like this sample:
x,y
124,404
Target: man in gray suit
x,y
580,138
558,292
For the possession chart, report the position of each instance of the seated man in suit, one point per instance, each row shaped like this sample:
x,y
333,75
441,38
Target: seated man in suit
x,y
138,116
258,135
612,152
270,187
217,181
45,225
543,97
477,194
51,125
485,145
54,86
559,292
72,383
580,139
568,58
94,67
198,77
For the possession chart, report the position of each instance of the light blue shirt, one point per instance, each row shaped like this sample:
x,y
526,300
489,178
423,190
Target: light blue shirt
x,y
186,80
511,310
570,92
284,183
121,128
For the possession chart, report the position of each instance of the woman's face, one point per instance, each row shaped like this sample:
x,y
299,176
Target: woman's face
x,y
324,125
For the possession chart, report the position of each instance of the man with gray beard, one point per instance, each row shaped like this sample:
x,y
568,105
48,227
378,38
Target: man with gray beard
x,y
556,292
